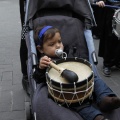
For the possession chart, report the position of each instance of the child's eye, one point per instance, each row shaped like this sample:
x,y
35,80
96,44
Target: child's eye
x,y
59,41
51,44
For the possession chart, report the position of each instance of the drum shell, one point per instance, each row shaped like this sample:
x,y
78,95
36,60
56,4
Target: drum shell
x,y
116,23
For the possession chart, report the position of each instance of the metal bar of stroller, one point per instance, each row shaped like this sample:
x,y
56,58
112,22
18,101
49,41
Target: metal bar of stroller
x,y
26,11
91,49
92,13
33,49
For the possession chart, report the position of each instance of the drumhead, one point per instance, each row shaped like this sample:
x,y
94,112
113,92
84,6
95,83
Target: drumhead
x,y
82,70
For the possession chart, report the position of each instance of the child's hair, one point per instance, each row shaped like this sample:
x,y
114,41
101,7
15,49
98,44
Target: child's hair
x,y
43,33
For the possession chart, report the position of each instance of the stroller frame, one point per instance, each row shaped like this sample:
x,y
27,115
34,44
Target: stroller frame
x,y
32,58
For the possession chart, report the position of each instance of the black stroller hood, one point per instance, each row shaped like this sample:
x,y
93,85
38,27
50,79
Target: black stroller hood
x,y
80,7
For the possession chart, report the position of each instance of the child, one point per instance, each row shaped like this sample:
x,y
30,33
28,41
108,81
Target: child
x,y
48,39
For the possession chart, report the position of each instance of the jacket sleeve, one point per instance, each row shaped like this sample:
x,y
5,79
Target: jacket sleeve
x,y
39,75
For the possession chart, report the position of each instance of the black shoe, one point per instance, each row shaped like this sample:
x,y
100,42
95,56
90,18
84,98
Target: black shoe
x,y
100,117
107,71
118,66
108,104
25,84
95,37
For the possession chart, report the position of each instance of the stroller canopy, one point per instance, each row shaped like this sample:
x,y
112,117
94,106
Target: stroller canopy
x,y
80,7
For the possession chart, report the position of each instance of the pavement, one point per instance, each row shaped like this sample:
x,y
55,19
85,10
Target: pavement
x,y
12,95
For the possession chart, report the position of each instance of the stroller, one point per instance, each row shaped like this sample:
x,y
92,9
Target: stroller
x,y
74,19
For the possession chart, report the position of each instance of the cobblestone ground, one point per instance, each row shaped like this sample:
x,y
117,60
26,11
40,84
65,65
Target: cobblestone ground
x,y
12,96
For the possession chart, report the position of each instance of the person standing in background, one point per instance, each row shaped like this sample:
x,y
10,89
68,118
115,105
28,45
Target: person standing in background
x,y
23,48
109,46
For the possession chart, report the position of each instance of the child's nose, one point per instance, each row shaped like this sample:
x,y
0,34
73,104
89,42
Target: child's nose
x,y
57,45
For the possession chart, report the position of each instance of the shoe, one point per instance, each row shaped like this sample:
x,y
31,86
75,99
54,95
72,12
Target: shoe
x,y
118,66
108,104
100,117
107,71
95,37
25,84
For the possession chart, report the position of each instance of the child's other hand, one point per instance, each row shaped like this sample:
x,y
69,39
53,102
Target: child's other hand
x,y
100,4
44,62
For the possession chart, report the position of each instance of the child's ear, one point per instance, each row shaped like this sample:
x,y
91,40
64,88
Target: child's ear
x,y
39,48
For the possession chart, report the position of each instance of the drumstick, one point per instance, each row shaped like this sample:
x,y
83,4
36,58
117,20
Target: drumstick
x,y
109,6
69,75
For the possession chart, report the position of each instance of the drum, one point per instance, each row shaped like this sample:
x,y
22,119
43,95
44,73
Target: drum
x,y
116,23
68,93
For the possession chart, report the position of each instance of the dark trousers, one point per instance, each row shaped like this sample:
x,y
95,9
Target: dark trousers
x,y
109,46
96,30
101,90
23,57
111,55
23,48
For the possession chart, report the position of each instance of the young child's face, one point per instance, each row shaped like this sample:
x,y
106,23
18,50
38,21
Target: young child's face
x,y
51,45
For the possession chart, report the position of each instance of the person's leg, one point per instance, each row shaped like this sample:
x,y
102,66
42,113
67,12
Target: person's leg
x,y
22,13
23,49
107,62
116,57
108,52
106,45
91,113
23,57
104,96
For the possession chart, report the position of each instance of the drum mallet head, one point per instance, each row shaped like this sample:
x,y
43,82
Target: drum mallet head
x,y
69,75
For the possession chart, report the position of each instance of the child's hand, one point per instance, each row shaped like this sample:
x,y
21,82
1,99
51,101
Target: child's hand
x,y
100,4
44,62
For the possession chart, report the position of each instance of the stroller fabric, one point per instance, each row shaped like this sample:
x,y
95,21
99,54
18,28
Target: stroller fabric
x,y
72,32
80,7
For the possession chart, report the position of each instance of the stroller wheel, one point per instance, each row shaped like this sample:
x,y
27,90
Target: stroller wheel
x,y
28,115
